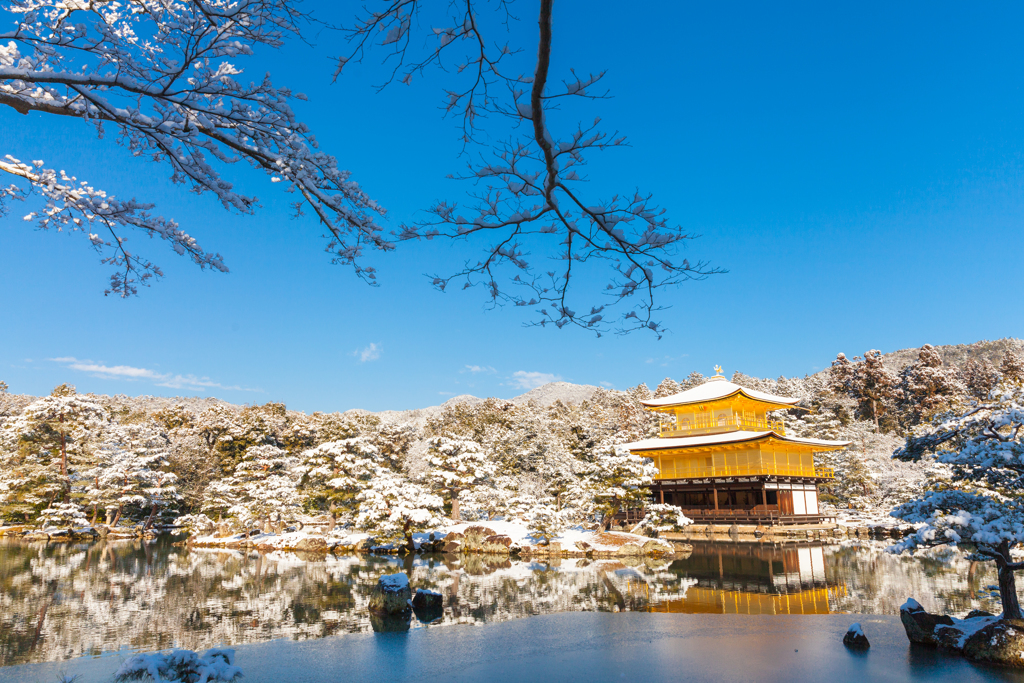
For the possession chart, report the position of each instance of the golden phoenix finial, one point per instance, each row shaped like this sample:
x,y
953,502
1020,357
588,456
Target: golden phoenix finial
x,y
718,369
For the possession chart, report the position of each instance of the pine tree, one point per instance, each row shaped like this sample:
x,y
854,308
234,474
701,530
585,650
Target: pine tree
x,y
457,465
620,478
980,377
333,473
56,436
132,472
668,387
982,503
865,380
929,387
393,508
1012,366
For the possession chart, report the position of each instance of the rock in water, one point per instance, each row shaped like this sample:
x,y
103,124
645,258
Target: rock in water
x,y
391,594
1001,642
919,624
855,638
427,599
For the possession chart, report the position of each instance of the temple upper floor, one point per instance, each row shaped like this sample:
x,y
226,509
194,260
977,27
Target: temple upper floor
x,y
718,406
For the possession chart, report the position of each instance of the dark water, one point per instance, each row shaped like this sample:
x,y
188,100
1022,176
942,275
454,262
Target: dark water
x,y
63,601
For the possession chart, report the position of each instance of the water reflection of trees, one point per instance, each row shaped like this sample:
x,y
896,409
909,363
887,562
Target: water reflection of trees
x,y
61,601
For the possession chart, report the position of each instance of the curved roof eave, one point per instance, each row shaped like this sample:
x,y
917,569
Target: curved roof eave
x,y
661,444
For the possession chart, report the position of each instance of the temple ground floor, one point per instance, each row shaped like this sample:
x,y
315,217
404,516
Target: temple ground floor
x,y
766,500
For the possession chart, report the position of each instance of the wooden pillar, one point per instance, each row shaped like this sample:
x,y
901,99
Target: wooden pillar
x,y
714,493
764,496
661,495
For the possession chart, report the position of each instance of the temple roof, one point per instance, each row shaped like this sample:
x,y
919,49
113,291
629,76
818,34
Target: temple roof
x,y
715,389
724,438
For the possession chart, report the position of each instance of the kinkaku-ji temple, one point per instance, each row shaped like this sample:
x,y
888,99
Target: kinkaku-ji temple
x,y
722,458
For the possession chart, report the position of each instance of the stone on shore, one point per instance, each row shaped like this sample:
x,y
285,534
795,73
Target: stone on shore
x,y
1001,642
855,638
920,625
391,595
313,544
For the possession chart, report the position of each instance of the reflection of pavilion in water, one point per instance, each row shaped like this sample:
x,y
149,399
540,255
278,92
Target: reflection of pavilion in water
x,y
753,579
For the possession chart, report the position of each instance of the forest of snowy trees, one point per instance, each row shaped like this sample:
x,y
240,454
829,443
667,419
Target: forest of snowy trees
x,y
72,459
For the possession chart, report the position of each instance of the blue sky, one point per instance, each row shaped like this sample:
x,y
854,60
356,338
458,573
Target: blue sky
x,y
856,168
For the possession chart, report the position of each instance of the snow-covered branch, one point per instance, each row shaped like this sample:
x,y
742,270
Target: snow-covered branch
x,y
164,75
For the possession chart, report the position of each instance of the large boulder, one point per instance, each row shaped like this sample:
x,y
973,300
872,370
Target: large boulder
x,y
1000,642
313,544
474,536
496,544
920,625
391,595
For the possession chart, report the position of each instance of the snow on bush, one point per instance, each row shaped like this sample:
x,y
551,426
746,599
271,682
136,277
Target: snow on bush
x,y
545,522
180,666
661,517
392,508
63,515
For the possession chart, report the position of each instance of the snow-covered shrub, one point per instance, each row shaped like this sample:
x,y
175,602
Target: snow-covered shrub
x,y
180,666
661,517
545,522
63,515
457,465
392,508
196,524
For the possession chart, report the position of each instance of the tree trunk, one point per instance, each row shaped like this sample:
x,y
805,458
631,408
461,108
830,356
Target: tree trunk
x,y
455,506
117,517
874,414
410,545
1007,583
149,522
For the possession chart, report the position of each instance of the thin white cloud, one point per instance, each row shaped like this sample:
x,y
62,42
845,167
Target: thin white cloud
x,y
607,385
371,352
521,379
665,361
131,374
475,369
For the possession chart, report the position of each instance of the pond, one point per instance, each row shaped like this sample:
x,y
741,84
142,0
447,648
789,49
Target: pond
x,y
63,601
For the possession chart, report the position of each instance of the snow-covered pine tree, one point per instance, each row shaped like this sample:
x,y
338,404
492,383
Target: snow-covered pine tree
x,y
980,377
545,522
982,504
393,508
267,483
457,465
694,379
928,387
333,474
132,472
620,478
868,381
63,516
667,387
1012,366
55,436
634,422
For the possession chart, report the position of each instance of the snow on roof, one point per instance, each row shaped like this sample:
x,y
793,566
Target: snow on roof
x,y
727,437
714,389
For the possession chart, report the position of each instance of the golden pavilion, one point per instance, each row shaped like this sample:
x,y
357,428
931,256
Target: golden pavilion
x,y
722,457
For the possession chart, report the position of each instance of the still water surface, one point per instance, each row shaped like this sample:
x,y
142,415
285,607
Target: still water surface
x,y
64,601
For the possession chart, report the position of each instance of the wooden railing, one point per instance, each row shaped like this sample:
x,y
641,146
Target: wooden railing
x,y
747,471
710,425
